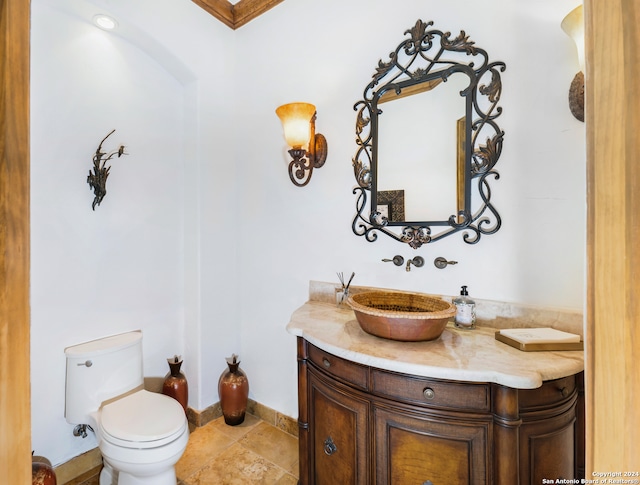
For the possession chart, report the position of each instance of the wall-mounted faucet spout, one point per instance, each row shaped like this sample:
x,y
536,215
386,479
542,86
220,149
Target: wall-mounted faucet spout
x,y
418,262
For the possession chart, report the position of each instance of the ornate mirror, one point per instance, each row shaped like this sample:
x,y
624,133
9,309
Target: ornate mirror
x,y
428,141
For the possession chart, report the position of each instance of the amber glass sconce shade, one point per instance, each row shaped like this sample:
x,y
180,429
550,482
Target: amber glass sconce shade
x,y
573,26
308,148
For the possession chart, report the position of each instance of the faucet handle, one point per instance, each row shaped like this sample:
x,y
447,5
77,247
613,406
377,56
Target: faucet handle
x,y
397,260
442,263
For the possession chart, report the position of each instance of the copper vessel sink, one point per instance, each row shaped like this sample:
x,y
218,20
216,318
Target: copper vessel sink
x,y
408,317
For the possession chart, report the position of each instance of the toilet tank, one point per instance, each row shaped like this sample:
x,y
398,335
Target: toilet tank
x,y
101,370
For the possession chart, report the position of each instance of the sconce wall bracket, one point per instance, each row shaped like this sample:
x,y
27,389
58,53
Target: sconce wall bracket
x,y
576,96
304,161
320,148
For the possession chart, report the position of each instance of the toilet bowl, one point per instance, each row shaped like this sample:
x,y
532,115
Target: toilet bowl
x,y
140,434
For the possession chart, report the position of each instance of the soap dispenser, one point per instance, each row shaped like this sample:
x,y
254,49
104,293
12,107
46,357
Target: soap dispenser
x,y
465,310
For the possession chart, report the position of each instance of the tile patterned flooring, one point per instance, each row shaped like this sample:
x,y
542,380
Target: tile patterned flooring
x,y
253,452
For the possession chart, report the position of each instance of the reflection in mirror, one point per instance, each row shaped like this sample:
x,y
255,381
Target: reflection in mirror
x,y
427,129
391,205
405,146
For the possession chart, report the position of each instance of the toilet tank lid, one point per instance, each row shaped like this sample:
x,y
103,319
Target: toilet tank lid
x,y
103,345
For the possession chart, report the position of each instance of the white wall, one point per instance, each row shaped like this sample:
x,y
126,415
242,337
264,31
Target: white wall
x,y
165,84
202,240
325,53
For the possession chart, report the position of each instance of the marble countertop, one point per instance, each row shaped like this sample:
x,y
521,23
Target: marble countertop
x,y
461,355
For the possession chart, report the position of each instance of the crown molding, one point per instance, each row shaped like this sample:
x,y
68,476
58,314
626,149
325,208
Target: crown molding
x,y
235,16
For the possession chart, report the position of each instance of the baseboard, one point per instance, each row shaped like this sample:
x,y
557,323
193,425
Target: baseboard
x,y
266,414
200,418
87,464
77,467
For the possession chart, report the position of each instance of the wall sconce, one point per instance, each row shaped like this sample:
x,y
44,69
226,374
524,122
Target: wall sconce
x,y
299,125
573,26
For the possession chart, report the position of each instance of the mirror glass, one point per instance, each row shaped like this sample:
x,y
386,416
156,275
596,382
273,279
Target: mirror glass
x,y
428,141
418,135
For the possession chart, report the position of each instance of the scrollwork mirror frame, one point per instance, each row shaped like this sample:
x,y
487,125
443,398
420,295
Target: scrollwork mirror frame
x,y
426,58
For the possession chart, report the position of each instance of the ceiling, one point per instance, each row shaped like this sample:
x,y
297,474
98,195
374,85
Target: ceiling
x,y
239,12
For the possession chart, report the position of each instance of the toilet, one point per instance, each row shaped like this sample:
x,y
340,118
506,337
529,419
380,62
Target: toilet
x,y
140,434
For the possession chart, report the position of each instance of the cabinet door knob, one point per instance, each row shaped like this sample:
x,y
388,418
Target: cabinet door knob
x,y
326,363
329,446
429,394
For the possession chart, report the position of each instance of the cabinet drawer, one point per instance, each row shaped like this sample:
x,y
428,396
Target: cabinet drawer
x,y
549,394
350,372
431,392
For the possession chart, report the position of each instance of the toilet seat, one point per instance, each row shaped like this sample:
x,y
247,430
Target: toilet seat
x,y
142,420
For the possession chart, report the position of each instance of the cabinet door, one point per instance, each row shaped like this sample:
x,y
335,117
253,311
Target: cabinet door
x,y
418,449
338,426
548,433
547,449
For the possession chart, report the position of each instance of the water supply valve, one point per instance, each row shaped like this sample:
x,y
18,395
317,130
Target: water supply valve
x,y
81,430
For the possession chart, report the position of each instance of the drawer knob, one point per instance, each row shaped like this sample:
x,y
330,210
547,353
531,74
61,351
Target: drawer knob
x,y
564,391
428,482
326,363
429,393
329,446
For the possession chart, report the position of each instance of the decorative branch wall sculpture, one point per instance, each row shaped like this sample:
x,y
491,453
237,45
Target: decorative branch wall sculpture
x,y
97,179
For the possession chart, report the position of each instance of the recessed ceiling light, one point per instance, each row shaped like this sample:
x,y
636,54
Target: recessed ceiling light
x,y
105,22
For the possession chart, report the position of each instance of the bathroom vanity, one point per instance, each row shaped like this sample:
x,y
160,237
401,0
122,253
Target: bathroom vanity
x,y
462,409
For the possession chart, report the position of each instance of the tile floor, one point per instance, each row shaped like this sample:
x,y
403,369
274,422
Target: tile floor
x,y
253,452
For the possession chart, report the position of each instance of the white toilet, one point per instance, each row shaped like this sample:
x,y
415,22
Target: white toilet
x,y
141,434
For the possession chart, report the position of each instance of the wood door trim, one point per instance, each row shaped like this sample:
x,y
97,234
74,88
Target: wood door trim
x,y
15,379
613,224
235,16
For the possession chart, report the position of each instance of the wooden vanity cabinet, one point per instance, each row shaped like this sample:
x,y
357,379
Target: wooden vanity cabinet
x,y
362,425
